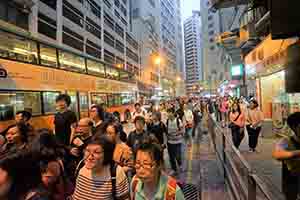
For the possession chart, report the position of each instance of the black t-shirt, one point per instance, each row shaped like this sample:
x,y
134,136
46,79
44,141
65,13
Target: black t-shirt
x,y
63,122
158,130
135,139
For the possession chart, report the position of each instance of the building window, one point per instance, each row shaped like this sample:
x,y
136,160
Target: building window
x,y
132,55
117,14
93,49
108,20
119,30
124,11
211,40
124,1
212,48
109,39
119,46
132,42
124,21
93,28
50,3
210,17
211,32
109,57
117,3
13,14
72,39
107,3
72,13
95,8
46,26
211,25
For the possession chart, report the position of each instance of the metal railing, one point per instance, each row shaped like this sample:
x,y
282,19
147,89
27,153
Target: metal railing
x,y
243,183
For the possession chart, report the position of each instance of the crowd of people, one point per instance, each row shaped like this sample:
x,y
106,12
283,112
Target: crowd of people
x,y
94,158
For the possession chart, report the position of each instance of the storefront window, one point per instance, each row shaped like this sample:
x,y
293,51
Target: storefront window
x,y
277,105
17,48
48,56
49,102
71,61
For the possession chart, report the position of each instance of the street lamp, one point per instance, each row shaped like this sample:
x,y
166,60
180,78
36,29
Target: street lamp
x,y
157,61
119,65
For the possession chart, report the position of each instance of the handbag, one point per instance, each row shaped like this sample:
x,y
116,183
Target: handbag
x,y
231,124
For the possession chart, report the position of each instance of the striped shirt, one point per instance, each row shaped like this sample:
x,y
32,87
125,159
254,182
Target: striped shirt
x,y
174,135
89,187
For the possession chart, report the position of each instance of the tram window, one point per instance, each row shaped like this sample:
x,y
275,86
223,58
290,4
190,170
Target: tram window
x,y
83,104
48,56
124,76
112,73
17,48
7,109
98,99
71,61
49,102
83,101
114,100
74,102
95,68
127,99
30,101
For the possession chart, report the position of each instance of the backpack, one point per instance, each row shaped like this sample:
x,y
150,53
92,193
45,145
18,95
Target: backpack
x,y
190,192
113,174
178,123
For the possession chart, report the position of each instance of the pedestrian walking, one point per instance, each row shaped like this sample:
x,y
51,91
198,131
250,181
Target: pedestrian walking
x,y
150,181
254,124
175,134
288,151
237,124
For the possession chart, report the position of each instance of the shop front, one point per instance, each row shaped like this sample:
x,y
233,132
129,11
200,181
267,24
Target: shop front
x,y
265,67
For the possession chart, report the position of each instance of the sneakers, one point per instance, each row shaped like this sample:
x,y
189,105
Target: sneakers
x,y
252,150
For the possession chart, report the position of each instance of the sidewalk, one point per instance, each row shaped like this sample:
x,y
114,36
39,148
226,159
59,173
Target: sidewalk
x,y
262,162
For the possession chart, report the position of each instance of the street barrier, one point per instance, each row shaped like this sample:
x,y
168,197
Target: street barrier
x,y
242,182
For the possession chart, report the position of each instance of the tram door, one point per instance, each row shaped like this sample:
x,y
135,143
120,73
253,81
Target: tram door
x,y
83,104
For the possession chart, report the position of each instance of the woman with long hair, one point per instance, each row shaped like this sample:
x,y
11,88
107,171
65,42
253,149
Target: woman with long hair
x,y
254,124
237,124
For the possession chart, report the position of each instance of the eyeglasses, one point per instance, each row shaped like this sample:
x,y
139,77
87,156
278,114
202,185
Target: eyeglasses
x,y
144,165
87,153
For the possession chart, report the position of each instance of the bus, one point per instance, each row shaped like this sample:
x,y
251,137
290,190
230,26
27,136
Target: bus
x,y
33,73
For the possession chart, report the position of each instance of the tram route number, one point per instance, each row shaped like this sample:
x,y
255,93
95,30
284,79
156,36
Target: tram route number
x,y
3,73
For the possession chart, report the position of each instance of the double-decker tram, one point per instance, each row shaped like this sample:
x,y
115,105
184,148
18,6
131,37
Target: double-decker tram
x,y
33,73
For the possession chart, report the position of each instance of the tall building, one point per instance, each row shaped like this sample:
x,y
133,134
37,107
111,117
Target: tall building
x,y
146,28
217,59
157,25
193,51
100,29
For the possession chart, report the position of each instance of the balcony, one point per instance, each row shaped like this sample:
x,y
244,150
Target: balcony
x,y
219,4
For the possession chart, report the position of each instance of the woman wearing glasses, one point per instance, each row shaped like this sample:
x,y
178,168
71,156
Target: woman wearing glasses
x,y
100,178
150,181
